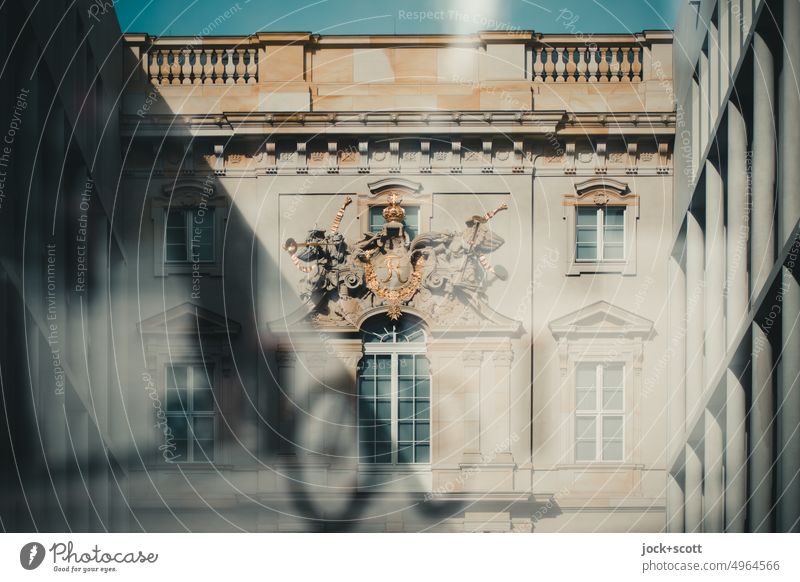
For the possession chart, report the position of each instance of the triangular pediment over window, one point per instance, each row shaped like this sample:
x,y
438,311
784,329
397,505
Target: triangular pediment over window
x,y
601,319
189,319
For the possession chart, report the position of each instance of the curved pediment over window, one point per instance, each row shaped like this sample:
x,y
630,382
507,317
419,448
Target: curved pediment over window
x,y
189,191
601,191
401,185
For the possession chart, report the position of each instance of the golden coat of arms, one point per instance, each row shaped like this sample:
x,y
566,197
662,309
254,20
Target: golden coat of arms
x,y
387,267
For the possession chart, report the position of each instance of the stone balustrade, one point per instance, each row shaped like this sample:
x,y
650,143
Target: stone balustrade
x,y
212,65
584,63
488,71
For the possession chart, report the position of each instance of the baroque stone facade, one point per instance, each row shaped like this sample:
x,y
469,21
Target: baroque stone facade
x,y
411,284
438,182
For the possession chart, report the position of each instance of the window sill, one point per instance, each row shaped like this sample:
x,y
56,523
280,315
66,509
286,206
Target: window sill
x,y
593,267
602,465
194,269
388,468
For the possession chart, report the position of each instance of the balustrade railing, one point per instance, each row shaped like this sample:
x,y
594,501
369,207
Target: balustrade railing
x,y
202,66
587,64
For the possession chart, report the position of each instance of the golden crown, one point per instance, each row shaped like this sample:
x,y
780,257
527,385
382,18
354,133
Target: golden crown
x,y
394,212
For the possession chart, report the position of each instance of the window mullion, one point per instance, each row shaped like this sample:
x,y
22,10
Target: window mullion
x,y
395,405
598,427
187,216
188,415
600,238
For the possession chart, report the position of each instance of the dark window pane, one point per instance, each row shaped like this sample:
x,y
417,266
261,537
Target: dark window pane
x,y
423,388
366,387
383,431
203,400
405,453
384,409
176,236
587,216
615,215
384,365
422,454
586,252
366,433
366,410
177,427
177,400
422,410
176,218
586,235
423,366
384,387
176,252
405,431
204,428
405,387
423,431
177,377
202,377
405,408
405,365
203,253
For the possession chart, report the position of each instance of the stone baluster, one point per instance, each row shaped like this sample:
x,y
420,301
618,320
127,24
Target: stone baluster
x,y
186,68
208,67
219,68
252,67
230,68
164,67
614,66
197,67
571,67
581,66
560,65
175,68
592,64
152,55
538,65
603,66
636,66
240,67
626,64
548,65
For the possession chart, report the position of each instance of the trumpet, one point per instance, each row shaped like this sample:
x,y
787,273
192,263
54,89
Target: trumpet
x,y
291,245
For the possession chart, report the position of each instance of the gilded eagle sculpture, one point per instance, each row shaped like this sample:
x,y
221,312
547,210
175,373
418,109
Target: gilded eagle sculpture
x,y
389,268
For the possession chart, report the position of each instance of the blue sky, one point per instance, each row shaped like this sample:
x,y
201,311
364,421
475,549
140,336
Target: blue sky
x,y
241,17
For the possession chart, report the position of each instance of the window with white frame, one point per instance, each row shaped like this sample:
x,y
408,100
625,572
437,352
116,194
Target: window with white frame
x,y
189,235
600,233
190,412
599,411
394,393
410,223
601,219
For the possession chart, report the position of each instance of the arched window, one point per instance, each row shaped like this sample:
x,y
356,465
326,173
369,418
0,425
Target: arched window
x,y
394,393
